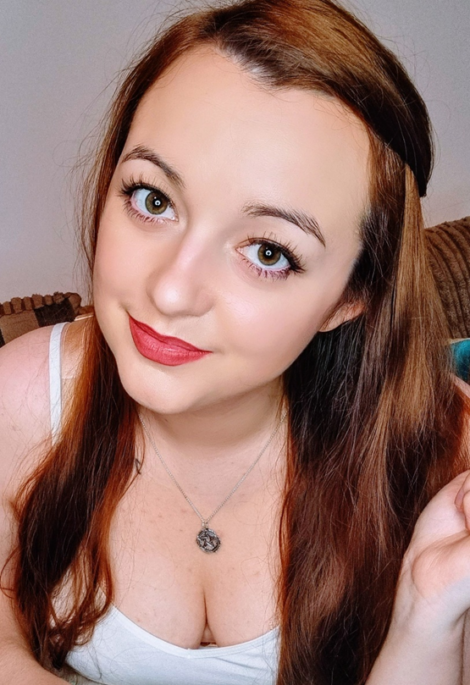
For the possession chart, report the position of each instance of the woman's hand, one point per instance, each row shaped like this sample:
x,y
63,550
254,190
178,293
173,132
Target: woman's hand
x,y
424,645
434,586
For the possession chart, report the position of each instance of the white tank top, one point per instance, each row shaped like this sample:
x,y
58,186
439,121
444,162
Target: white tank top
x,y
120,652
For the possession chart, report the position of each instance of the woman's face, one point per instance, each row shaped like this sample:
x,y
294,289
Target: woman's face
x,y
232,223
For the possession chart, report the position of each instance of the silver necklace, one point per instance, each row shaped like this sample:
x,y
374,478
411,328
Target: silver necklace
x,y
207,539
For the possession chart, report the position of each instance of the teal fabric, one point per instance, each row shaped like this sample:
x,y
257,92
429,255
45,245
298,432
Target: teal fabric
x,y
461,354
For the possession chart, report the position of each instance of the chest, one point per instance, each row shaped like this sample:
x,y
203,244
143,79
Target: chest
x,y
167,585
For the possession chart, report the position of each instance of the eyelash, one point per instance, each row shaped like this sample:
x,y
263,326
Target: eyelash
x,y
128,188
287,250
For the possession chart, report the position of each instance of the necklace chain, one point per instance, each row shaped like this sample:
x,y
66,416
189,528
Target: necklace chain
x,y
205,521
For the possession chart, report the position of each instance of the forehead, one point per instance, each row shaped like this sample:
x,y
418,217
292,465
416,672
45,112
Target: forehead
x,y
218,125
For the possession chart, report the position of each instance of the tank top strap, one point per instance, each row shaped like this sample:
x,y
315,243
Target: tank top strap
x,y
55,380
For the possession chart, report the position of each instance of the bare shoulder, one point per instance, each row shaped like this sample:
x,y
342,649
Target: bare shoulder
x,y
24,371
24,365
24,388
25,419
24,397
25,433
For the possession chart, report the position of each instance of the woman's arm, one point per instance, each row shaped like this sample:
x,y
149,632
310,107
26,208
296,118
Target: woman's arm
x,y
24,422
419,651
17,664
406,661
428,641
425,643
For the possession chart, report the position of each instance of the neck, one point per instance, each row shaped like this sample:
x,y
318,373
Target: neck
x,y
211,433
208,451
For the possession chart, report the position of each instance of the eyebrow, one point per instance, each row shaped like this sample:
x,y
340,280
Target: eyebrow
x,y
307,223
142,152
304,221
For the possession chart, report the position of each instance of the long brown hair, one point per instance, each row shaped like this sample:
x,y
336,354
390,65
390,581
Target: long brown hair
x,y
375,418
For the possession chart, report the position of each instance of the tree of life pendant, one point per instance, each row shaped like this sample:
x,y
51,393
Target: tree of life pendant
x,y
208,540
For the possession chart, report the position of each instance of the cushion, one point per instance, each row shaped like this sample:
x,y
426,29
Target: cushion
x,y
448,248
461,355
21,315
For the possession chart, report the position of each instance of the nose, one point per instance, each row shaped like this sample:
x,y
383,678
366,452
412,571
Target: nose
x,y
182,282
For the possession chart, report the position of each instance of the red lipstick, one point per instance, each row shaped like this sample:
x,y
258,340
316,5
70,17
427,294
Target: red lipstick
x,y
161,348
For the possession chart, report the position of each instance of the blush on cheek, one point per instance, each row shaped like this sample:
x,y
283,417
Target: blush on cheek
x,y
279,344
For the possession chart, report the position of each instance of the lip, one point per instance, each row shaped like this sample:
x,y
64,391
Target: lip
x,y
161,348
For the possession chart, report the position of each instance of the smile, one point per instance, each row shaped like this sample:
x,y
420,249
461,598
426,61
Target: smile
x,y
160,348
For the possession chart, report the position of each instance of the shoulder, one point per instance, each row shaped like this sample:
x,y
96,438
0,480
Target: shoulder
x,y
24,382
25,420
24,398
24,366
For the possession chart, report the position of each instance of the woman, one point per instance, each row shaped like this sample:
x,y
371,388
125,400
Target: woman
x,y
265,375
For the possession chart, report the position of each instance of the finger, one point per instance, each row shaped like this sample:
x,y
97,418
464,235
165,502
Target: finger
x,y
464,488
466,508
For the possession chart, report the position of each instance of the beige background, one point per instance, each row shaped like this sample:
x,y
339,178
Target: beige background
x,y
58,58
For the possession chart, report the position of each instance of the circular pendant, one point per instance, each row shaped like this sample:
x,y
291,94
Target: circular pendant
x,y
208,540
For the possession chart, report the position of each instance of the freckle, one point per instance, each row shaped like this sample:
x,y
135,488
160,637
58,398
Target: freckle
x,y
251,567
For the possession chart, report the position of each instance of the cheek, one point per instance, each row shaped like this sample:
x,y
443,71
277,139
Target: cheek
x,y
273,331
273,334
108,259
116,264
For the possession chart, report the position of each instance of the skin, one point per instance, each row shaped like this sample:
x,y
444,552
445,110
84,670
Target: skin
x,y
188,275
233,143
428,640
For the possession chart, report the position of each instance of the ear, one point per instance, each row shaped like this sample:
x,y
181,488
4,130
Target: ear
x,y
343,313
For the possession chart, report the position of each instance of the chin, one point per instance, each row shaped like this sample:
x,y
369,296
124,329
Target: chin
x,y
155,388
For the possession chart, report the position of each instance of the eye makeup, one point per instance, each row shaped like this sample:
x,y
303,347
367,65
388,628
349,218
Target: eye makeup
x,y
145,201
130,190
271,246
